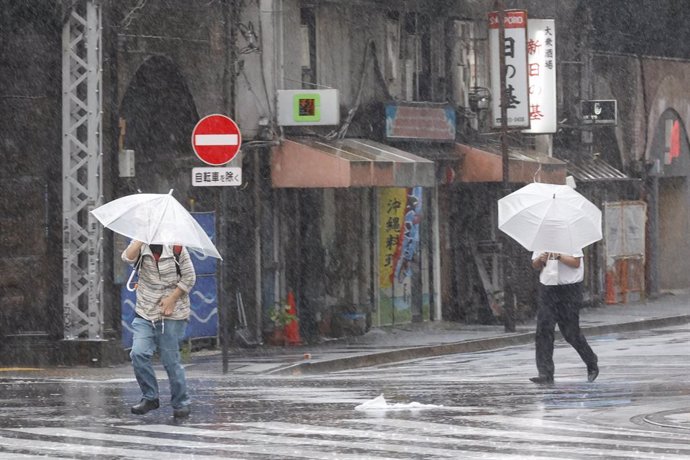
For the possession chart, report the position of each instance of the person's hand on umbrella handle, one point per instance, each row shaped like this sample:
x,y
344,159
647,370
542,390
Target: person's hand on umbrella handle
x,y
540,262
133,249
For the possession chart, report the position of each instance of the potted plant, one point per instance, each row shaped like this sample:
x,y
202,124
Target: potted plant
x,y
281,317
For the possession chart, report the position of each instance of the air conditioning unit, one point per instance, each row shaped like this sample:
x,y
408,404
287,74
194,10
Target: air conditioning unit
x,y
303,107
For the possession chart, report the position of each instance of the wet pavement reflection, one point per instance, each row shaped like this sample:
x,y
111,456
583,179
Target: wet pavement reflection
x,y
478,405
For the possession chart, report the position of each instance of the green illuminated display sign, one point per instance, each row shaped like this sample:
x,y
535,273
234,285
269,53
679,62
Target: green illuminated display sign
x,y
306,107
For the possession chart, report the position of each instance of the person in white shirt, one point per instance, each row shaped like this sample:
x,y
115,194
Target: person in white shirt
x,y
560,299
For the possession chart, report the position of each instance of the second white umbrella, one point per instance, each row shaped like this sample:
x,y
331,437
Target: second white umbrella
x,y
549,218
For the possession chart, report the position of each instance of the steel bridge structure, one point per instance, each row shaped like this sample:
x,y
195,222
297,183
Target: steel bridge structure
x,y
82,178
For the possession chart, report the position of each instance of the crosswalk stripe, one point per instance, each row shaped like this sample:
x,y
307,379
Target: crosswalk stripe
x,y
401,438
371,448
176,443
61,448
583,443
406,437
17,456
589,429
418,434
492,443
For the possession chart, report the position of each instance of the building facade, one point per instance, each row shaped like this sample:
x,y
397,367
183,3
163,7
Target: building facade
x,y
386,216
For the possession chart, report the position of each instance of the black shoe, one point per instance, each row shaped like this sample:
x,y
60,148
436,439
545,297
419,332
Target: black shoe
x,y
146,405
182,412
592,373
542,379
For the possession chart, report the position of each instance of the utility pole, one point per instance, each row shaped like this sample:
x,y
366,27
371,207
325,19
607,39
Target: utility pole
x,y
231,12
508,308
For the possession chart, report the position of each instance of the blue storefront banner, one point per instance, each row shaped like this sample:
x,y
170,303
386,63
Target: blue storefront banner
x,y
205,265
203,320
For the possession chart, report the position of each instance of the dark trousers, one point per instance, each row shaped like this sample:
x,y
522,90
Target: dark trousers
x,y
560,305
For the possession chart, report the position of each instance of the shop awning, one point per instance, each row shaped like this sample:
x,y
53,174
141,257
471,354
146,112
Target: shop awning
x,y
312,163
486,165
595,170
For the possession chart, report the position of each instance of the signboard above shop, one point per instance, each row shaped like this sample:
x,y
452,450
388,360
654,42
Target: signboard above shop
x,y
420,121
600,112
541,74
304,107
514,48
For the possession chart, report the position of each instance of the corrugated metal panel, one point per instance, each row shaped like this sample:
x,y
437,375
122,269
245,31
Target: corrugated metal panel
x,y
595,169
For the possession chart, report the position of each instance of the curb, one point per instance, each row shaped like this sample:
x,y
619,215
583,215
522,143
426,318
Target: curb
x,y
406,354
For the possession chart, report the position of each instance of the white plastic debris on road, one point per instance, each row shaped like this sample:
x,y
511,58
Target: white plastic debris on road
x,y
379,403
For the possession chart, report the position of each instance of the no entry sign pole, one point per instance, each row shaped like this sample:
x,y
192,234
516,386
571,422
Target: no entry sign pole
x,y
216,139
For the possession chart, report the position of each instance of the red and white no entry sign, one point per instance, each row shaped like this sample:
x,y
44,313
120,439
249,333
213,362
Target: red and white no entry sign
x,y
216,139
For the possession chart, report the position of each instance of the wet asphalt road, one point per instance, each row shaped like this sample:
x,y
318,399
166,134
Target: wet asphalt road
x,y
478,405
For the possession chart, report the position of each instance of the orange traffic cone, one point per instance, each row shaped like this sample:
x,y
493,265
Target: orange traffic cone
x,y
292,328
610,278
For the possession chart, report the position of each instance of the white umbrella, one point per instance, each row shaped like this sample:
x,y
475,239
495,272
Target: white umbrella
x,y
155,218
549,218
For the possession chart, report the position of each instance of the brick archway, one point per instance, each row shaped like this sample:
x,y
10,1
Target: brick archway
x,y
159,115
669,95
672,167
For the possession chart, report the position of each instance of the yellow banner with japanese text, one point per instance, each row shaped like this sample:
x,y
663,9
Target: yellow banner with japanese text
x,y
391,215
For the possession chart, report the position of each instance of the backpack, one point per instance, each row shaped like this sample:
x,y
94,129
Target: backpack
x,y
177,250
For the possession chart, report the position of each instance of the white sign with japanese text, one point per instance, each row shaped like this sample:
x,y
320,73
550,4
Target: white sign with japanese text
x,y
541,71
515,50
216,177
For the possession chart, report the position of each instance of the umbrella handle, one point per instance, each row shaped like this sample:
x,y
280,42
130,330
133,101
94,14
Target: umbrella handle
x,y
129,282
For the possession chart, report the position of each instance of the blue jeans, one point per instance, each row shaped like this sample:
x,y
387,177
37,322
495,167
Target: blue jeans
x,y
147,339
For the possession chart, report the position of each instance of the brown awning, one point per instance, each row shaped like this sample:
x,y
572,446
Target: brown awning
x,y
484,165
311,163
